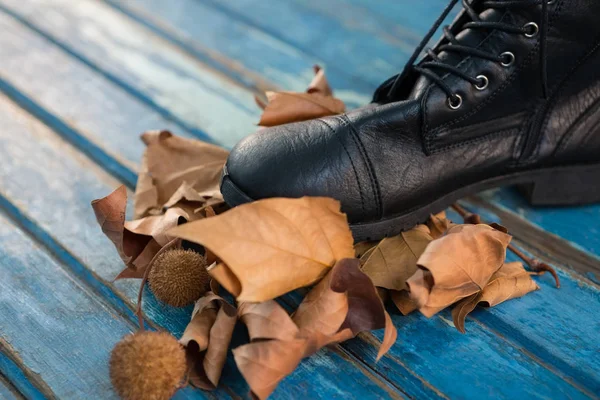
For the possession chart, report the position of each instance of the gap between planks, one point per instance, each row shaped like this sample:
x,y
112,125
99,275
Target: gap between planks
x,y
25,381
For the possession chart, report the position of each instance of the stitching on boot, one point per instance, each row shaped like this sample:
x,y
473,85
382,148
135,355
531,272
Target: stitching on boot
x,y
374,183
563,85
362,200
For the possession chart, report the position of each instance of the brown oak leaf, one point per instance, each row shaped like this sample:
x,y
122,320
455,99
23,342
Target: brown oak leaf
x,y
393,260
457,265
171,166
286,107
509,282
207,339
276,245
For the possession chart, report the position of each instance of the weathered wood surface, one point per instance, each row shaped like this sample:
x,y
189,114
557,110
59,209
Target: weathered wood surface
x,y
192,66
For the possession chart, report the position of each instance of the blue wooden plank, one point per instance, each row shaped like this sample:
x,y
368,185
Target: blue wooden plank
x,y
566,230
476,365
369,61
48,77
213,36
563,333
54,321
8,392
148,67
401,17
18,379
69,181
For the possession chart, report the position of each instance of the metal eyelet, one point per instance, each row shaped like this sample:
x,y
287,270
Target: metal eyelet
x,y
533,29
508,59
455,105
484,82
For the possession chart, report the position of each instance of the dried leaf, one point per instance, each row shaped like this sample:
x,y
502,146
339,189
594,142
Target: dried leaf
x,y
438,224
275,245
267,320
187,193
158,225
457,265
509,282
365,309
286,107
361,248
110,214
340,306
323,309
168,162
207,339
403,301
222,274
264,364
319,83
136,251
393,260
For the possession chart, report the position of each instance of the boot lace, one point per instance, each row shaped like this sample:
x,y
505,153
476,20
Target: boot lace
x,y
429,67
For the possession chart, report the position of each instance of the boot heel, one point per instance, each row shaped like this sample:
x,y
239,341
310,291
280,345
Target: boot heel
x,y
564,186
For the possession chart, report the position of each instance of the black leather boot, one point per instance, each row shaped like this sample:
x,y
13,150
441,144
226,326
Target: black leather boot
x,y
510,95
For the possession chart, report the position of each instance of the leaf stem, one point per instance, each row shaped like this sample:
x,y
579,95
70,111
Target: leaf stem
x,y
533,263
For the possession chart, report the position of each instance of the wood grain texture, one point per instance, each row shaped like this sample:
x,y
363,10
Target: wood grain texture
x,y
522,329
54,80
239,48
53,320
24,383
46,164
177,85
8,391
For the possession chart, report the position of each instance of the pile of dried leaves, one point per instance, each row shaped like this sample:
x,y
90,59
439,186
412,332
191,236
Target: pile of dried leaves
x,y
260,251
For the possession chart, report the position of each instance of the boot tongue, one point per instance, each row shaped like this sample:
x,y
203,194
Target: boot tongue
x,y
466,37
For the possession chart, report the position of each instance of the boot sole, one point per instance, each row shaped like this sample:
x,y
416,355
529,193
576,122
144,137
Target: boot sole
x,y
556,186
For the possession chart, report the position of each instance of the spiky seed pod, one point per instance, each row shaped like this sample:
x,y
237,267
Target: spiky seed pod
x,y
147,365
178,277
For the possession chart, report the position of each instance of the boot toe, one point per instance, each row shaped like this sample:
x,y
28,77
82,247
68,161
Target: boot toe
x,y
294,160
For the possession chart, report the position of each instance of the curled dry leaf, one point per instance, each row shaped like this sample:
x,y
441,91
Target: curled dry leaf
x,y
137,242
207,339
267,320
136,251
403,302
286,107
457,265
171,167
509,282
340,306
275,245
393,260
438,224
